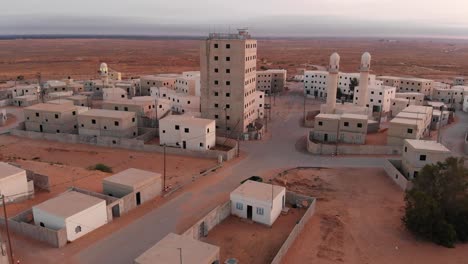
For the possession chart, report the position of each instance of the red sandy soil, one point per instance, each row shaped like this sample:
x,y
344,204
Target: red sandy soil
x,y
79,58
250,242
11,119
358,221
67,164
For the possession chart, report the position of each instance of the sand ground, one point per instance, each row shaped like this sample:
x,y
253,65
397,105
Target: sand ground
x,y
357,221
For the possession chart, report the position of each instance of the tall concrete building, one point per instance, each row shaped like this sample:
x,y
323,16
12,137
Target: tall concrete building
x,y
228,81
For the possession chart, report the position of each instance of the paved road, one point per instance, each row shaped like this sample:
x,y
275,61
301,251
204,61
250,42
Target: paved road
x,y
453,137
285,148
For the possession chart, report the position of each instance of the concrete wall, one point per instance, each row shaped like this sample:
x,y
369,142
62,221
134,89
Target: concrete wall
x,y
133,144
295,198
40,181
5,102
330,149
392,168
110,201
209,221
18,224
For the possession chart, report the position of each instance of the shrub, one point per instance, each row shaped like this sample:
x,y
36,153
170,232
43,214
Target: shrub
x,y
101,167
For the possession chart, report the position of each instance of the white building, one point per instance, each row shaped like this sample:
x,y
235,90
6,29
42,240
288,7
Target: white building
x,y
405,85
160,80
188,83
465,103
378,98
78,213
453,97
259,202
260,101
419,153
412,98
14,184
271,81
187,132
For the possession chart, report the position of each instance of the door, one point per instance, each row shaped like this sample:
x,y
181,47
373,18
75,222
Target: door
x,y
40,128
202,230
116,211
249,212
138,198
325,137
184,144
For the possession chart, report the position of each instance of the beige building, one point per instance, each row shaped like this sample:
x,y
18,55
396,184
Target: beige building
x,y
110,94
60,102
316,82
459,81
143,107
14,184
378,98
405,85
25,100
228,81
174,249
56,86
349,128
188,83
80,100
142,185
100,122
412,123
187,132
184,103
160,80
20,90
418,153
51,118
78,213
257,201
439,119
412,98
271,81
326,128
453,97
131,87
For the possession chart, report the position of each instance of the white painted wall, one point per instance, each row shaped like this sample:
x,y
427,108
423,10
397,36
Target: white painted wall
x,y
14,186
89,220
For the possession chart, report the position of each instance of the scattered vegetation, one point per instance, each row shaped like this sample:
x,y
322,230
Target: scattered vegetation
x,y
437,205
101,167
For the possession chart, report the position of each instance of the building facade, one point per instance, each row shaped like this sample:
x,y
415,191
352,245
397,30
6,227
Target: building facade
x,y
101,122
419,153
51,118
271,81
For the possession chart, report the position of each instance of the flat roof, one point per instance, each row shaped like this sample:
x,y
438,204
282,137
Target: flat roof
x,y
328,116
168,250
133,177
354,116
68,204
410,115
404,78
60,101
418,109
51,107
426,145
7,170
125,102
77,97
107,113
27,97
188,120
144,98
258,190
410,93
406,121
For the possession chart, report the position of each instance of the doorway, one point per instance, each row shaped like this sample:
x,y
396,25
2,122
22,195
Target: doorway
x,y
40,128
325,137
116,211
138,198
249,212
184,144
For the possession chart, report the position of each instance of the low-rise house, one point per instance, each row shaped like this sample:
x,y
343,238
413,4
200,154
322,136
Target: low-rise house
x,y
378,97
418,153
424,111
25,100
101,122
439,119
57,95
405,85
110,94
14,184
161,80
271,81
174,249
60,102
326,127
397,105
80,100
259,202
143,107
132,87
78,213
188,83
184,103
55,86
404,128
20,90
187,132
141,185
51,118
452,96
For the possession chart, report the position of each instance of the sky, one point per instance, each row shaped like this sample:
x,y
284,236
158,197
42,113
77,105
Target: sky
x,y
360,18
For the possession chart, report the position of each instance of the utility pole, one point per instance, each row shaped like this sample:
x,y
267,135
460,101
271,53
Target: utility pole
x,y
305,108
180,254
164,170
238,146
10,249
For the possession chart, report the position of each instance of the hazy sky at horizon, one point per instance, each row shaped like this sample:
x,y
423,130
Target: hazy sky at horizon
x,y
364,17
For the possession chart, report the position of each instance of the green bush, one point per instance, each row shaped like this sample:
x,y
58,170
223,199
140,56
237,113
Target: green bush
x,y
101,167
437,205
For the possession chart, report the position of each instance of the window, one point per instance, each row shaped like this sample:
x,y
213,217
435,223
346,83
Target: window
x,y
228,106
228,94
422,157
42,224
215,58
164,131
406,149
73,113
93,121
201,144
215,93
239,206
409,131
186,130
260,211
116,108
228,83
37,114
216,45
228,117
228,70
56,116
346,124
116,123
133,120
228,58
77,229
216,70
228,46
216,82
359,124
216,105
216,116
320,123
